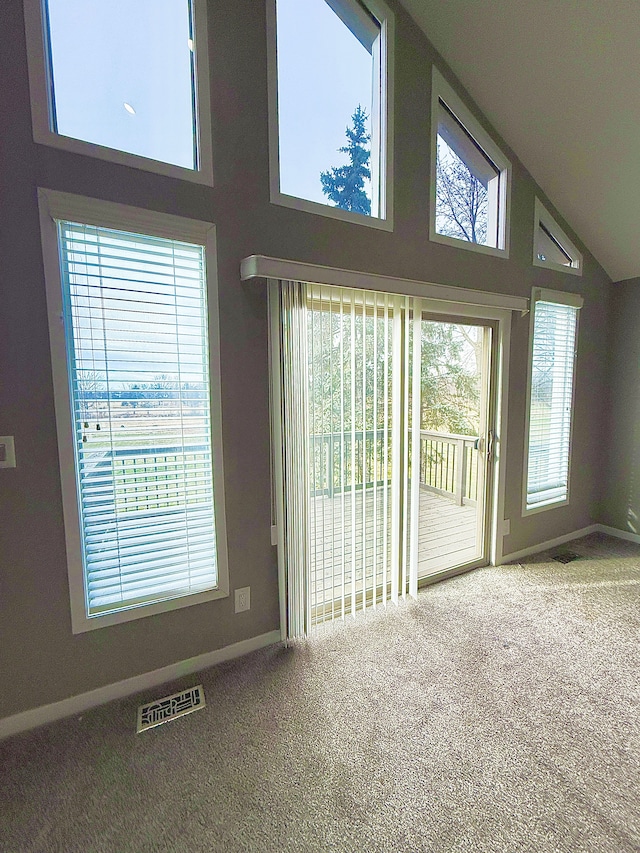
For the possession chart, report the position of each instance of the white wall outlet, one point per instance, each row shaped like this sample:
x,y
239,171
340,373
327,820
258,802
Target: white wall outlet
x,y
506,527
274,534
7,452
243,599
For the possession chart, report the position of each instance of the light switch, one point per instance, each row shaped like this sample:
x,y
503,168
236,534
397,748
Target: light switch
x,y
7,452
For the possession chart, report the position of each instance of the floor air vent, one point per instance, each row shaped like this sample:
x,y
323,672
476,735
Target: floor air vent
x,y
162,710
565,557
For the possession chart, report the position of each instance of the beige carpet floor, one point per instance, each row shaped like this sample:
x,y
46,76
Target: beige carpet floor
x,y
499,712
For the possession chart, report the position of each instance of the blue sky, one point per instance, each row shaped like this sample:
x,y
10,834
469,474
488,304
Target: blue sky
x,y
323,74
108,53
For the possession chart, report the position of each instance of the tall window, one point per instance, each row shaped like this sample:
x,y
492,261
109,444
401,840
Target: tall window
x,y
551,384
121,78
140,496
470,177
331,127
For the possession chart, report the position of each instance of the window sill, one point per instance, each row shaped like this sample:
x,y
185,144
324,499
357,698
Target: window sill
x,y
465,244
123,158
549,265
295,203
82,623
537,509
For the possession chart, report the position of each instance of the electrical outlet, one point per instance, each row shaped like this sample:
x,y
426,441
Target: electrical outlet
x,y
506,527
7,452
243,599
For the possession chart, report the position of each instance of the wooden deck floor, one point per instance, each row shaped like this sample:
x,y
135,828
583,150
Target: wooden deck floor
x,y
446,538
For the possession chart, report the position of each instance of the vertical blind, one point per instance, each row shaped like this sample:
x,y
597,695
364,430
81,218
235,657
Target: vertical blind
x,y
135,315
349,394
551,400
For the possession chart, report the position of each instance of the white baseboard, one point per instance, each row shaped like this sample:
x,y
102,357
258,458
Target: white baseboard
x,y
619,534
552,543
76,704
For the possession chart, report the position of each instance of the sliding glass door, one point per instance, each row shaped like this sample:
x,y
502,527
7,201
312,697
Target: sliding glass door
x,y
385,451
456,444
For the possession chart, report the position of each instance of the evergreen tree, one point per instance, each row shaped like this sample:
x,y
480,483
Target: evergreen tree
x,y
344,185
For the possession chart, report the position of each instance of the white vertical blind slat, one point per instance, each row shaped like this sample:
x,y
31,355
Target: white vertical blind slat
x,y
342,461
396,449
375,500
352,416
385,496
295,456
406,514
416,408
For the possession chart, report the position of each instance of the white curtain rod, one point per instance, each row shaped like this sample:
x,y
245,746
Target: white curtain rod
x,y
261,266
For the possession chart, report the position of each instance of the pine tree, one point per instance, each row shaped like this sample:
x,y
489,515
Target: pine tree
x,y
344,185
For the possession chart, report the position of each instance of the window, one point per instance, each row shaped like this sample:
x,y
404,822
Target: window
x,y
124,80
552,248
137,407
551,382
470,178
331,112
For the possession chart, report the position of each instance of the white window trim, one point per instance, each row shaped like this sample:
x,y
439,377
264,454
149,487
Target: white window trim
x,y
575,300
384,132
543,217
442,91
40,103
55,205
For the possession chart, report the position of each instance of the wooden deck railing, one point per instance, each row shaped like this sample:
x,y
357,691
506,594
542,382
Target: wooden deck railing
x,y
134,479
331,460
448,463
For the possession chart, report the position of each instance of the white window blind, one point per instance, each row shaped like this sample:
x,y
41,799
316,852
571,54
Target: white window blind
x,y
551,402
347,392
135,316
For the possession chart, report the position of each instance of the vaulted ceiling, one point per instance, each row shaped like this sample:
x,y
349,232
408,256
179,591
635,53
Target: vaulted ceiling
x,y
560,81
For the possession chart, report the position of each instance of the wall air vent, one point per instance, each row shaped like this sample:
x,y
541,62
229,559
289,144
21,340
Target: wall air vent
x,y
162,710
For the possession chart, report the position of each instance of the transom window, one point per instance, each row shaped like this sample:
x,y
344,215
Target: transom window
x,y
470,177
122,78
330,128
142,495
552,248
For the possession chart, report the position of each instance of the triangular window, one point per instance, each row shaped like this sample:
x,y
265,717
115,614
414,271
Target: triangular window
x,y
551,246
470,177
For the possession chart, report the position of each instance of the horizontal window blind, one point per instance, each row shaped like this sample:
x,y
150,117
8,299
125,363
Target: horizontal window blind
x,y
552,374
135,316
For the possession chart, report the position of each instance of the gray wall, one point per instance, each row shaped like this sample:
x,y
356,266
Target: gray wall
x,y
621,472
40,660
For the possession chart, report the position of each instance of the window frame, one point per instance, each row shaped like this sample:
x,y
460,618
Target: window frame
x,y
382,128
544,218
442,91
53,206
40,87
573,300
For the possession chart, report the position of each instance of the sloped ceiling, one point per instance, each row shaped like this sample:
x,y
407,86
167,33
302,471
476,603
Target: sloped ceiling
x,y
560,81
